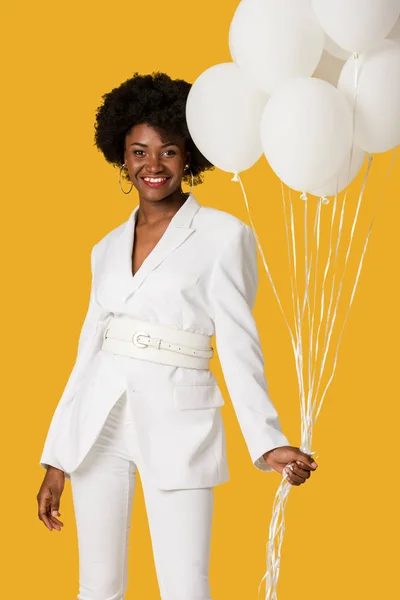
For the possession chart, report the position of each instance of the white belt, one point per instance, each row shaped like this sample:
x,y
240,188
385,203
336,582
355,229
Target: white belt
x,y
157,343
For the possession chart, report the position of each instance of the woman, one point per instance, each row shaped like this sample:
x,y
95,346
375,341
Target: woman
x,y
141,396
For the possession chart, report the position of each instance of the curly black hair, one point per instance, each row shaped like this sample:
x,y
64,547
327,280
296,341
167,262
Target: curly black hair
x,y
156,100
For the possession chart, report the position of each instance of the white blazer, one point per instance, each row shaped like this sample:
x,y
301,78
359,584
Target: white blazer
x,y
202,276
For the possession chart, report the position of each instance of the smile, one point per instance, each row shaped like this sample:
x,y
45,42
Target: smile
x,y
155,181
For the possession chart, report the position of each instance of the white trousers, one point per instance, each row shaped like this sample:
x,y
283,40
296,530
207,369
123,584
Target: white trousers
x,y
180,520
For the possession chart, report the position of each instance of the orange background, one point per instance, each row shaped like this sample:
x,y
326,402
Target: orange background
x,y
60,197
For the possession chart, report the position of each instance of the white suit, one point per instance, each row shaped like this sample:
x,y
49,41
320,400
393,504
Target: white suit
x,y
201,277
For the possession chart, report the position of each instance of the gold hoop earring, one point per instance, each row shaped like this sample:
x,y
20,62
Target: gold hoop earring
x,y
190,171
119,180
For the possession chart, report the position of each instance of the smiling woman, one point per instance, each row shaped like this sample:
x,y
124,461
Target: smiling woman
x,y
141,395
158,163
141,127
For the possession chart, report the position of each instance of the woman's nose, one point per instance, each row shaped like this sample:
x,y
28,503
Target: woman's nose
x,y
154,164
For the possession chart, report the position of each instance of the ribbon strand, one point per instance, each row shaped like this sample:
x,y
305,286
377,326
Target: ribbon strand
x,y
309,406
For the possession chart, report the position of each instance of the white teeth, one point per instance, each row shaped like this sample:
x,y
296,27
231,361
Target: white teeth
x,y
154,179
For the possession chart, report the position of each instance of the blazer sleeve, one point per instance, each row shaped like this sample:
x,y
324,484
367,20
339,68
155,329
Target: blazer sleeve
x,y
89,344
234,283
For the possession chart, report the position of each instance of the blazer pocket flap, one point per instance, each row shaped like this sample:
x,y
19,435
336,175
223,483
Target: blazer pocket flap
x,y
197,396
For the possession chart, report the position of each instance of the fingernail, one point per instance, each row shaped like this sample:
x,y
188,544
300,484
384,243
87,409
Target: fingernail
x,y
314,464
55,513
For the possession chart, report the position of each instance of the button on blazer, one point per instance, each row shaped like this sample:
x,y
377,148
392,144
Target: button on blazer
x,y
202,277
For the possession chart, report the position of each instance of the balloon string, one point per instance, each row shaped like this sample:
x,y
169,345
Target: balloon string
x,y
357,279
322,302
354,116
306,439
294,290
360,198
238,178
277,524
292,282
305,445
317,241
299,324
299,349
296,344
304,411
276,532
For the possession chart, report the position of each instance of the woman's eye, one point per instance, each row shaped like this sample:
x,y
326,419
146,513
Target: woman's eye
x,y
142,152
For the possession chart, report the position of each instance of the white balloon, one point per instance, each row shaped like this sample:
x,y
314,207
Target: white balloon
x,y
340,181
329,68
395,32
223,113
306,132
377,101
331,47
356,25
273,41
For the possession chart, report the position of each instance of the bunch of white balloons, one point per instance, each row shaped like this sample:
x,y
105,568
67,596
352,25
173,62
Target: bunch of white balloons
x,y
314,85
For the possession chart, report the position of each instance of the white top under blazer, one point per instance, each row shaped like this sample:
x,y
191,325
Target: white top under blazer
x,y
202,276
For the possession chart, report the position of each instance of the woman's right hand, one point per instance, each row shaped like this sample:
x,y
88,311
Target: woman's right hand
x,y
48,498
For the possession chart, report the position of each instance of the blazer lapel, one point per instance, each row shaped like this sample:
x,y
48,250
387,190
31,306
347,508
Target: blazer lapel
x,y
177,232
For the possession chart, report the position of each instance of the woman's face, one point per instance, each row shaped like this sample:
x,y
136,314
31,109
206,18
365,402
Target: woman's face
x,y
147,156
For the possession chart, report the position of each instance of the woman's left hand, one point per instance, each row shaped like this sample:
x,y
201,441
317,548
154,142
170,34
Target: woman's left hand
x,y
291,460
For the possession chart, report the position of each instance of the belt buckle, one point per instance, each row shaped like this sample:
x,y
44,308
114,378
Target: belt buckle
x,y
135,339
